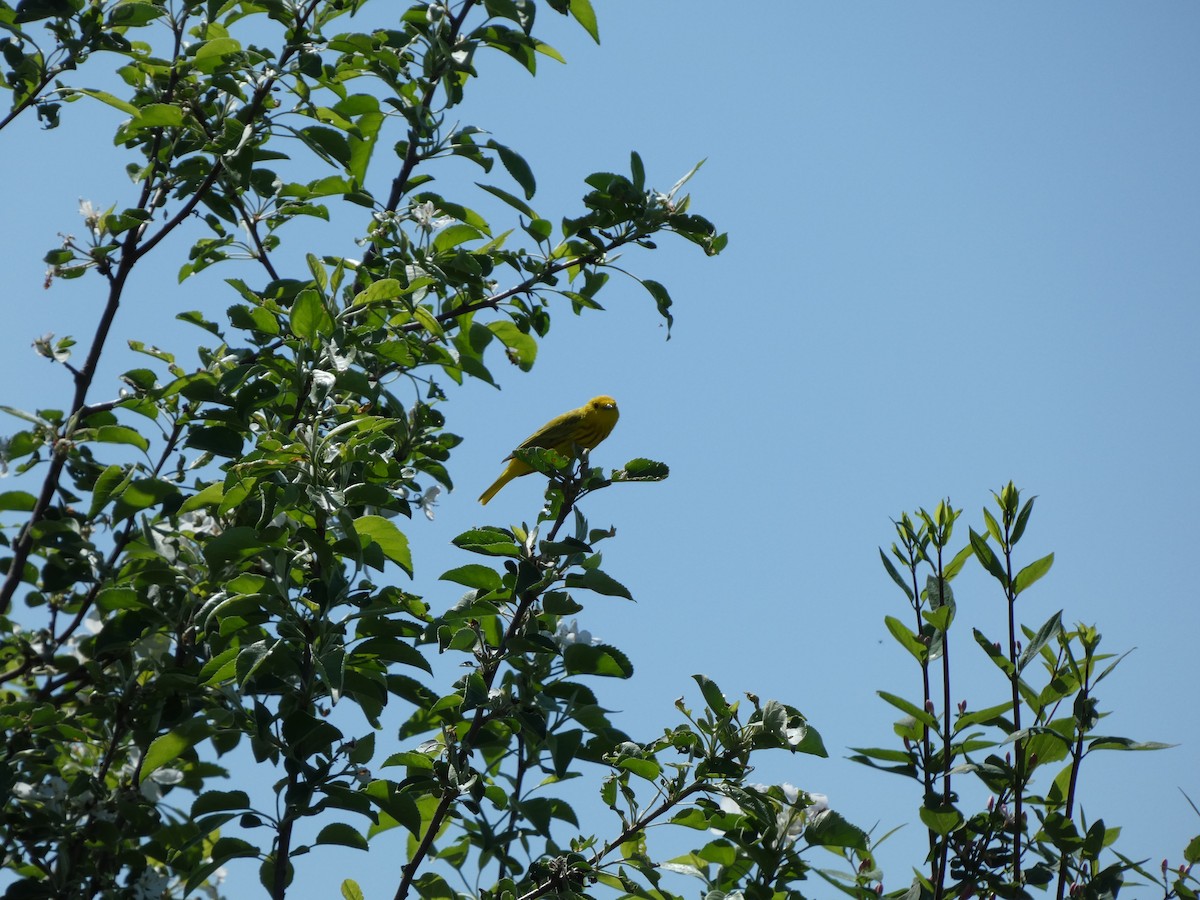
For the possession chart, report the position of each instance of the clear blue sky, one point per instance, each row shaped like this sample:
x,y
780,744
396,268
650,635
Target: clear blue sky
x,y
964,248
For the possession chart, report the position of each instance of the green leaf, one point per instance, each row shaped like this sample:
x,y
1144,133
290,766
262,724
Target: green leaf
x,y
1050,630
599,659
996,655
927,719
642,470
1032,573
327,143
389,538
1191,853
595,580
989,716
143,493
218,439
662,299
489,541
212,55
237,543
133,14
959,560
941,820
168,747
1062,832
105,97
1022,520
119,434
343,834
884,754
830,829
106,485
209,496
157,115
939,618
223,850
516,167
219,801
643,768
712,695
515,202
19,501
378,291
583,13
309,318
891,570
522,348
450,237
351,890
164,749
906,638
983,552
638,171
474,575
1121,743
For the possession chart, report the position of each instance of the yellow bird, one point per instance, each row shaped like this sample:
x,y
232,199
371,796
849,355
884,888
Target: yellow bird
x,y
584,427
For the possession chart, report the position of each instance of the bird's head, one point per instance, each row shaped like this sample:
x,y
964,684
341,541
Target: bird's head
x,y
602,402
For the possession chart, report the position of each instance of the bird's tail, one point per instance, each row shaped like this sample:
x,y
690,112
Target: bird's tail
x,y
491,492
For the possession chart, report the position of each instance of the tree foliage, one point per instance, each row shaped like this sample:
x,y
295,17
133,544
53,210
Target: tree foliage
x,y
206,572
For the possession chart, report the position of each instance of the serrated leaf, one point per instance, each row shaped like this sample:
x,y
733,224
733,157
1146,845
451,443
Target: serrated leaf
x,y
595,580
662,299
516,166
941,819
712,695
597,659
474,575
642,469
830,829
20,501
219,801
488,541
389,538
342,834
522,347
582,12
309,319
105,97
120,434
512,200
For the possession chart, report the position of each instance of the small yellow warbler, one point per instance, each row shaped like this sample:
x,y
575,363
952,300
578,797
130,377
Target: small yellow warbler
x,y
584,427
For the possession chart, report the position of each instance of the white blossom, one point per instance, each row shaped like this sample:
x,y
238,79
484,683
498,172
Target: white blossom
x,y
428,501
91,215
151,885
427,218
797,811
322,384
570,633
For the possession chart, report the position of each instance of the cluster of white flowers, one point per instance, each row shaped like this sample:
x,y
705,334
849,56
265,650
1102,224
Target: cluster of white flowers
x,y
799,809
570,633
426,217
51,793
150,885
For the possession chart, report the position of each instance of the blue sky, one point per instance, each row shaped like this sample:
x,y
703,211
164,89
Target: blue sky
x,y
964,248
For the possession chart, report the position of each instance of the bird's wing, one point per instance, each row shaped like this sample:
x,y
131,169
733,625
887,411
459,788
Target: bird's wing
x,y
558,431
